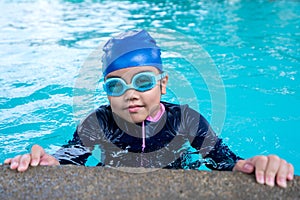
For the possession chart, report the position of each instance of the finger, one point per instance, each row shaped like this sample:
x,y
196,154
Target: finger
x,y
282,174
291,172
24,162
49,160
7,161
260,163
272,169
15,162
36,153
244,166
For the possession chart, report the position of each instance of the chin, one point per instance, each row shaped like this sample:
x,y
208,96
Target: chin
x,y
135,120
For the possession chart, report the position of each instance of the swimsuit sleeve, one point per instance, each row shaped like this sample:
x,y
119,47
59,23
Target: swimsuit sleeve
x,y
74,153
223,158
216,154
80,148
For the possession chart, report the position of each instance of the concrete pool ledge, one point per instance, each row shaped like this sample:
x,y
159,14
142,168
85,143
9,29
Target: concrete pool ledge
x,y
78,182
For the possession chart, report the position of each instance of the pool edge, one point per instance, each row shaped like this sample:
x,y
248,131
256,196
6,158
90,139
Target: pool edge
x,y
79,182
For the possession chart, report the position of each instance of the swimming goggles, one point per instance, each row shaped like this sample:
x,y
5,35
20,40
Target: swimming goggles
x,y
141,82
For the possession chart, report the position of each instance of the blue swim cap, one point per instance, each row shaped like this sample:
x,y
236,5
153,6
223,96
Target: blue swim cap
x,y
131,49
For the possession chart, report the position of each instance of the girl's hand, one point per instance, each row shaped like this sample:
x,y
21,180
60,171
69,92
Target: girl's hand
x,y
268,169
35,158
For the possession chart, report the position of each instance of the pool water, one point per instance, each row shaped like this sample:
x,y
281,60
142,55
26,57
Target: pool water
x,y
255,47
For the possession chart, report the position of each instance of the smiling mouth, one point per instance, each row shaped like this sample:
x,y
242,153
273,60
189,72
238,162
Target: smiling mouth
x,y
134,108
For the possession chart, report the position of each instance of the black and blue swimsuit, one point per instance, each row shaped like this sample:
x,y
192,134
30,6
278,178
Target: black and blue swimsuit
x,y
180,133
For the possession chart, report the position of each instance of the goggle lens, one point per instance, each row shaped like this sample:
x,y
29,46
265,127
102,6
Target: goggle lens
x,y
114,86
144,82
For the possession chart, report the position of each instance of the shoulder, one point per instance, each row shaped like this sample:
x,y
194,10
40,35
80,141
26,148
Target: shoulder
x,y
172,107
101,111
102,114
185,113
92,127
179,109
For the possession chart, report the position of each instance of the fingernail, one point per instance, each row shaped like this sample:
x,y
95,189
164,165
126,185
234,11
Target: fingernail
x,y
21,168
34,163
290,176
13,165
270,181
282,182
260,179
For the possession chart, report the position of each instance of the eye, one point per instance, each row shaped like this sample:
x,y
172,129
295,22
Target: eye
x,y
144,81
115,86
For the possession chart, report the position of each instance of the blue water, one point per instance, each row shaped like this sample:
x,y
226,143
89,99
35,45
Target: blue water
x,y
253,95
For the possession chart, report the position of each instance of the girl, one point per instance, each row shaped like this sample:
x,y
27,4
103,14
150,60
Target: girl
x,y
137,129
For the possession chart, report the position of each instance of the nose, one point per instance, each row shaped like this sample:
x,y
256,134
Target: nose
x,y
131,95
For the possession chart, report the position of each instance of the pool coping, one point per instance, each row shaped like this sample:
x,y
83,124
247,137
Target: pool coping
x,y
79,182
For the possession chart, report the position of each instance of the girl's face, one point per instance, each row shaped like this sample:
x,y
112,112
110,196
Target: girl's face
x,y
135,106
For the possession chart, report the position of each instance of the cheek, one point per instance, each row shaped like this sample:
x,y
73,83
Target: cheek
x,y
153,96
115,103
